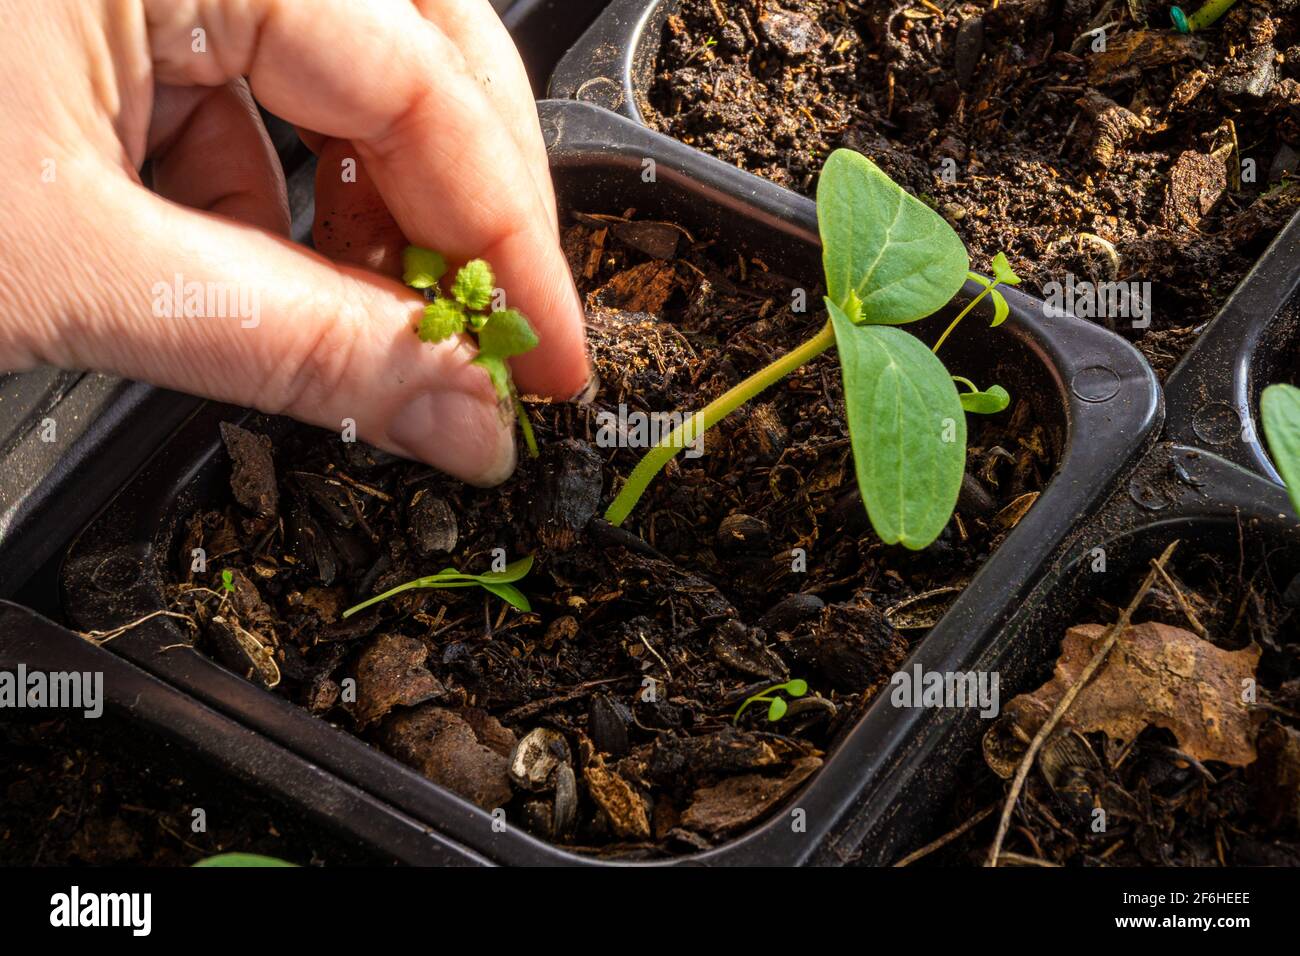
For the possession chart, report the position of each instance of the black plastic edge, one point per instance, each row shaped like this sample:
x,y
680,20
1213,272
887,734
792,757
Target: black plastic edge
x,y
1213,393
609,66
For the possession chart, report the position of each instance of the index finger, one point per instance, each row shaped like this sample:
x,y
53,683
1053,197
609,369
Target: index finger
x,y
381,75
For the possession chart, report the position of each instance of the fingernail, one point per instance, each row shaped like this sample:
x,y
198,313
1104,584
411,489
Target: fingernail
x,y
587,393
458,433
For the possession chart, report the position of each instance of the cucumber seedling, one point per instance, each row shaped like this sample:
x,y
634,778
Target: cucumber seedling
x,y
776,706
889,259
501,333
1279,410
500,583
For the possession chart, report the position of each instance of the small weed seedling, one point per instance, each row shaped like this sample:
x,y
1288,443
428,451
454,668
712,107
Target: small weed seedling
x,y
228,581
889,259
500,583
776,706
1279,410
501,333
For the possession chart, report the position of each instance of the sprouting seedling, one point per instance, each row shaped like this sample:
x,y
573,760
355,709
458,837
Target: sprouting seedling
x,y
1202,18
1279,411
703,48
889,259
501,333
776,706
228,581
500,583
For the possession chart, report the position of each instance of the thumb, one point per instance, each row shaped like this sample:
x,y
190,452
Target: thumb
x,y
209,306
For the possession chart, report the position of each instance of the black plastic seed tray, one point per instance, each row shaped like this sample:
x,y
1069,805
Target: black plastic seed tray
x,y
1090,388
1253,342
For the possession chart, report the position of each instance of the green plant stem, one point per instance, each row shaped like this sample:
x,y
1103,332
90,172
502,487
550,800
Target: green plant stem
x,y
408,586
961,315
529,438
702,421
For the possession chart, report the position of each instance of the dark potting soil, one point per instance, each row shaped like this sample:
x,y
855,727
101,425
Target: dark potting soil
x,y
1161,806
603,719
1123,164
75,796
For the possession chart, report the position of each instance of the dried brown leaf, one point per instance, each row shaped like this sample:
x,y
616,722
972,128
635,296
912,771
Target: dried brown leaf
x,y
1156,676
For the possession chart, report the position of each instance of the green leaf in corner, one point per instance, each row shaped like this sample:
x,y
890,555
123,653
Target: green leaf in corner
x,y
1279,409
906,427
898,256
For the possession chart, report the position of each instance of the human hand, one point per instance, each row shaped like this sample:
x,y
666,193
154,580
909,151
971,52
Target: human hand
x,y
427,96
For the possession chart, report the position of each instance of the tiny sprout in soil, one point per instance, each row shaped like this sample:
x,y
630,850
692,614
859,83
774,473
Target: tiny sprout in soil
x,y
889,259
500,583
228,580
501,333
1279,409
776,706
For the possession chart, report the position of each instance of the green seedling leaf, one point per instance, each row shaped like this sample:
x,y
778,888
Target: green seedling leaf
x,y
242,860
228,580
505,334
990,402
1279,409
442,319
1003,272
898,256
511,595
776,706
500,583
422,268
906,427
473,285
1000,308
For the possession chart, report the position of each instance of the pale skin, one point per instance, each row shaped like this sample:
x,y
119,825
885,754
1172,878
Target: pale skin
x,y
427,96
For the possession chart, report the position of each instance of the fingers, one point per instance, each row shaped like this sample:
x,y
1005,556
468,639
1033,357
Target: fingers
x,y
210,151
352,223
444,163
199,303
476,30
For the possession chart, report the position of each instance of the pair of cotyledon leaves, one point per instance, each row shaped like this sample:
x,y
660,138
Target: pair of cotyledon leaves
x,y
501,583
890,259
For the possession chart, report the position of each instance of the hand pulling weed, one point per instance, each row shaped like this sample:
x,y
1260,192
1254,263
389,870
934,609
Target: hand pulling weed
x,y
889,259
501,333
